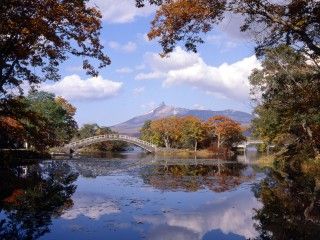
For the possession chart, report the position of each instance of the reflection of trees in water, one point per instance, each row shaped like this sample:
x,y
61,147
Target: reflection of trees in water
x,y
218,178
30,201
291,206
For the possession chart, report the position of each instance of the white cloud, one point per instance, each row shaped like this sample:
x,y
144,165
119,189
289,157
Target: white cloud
x,y
140,67
181,67
151,75
127,47
124,70
92,206
230,214
113,44
74,88
121,11
198,106
138,91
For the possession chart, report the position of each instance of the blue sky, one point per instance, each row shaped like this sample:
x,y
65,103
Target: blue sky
x,y
138,79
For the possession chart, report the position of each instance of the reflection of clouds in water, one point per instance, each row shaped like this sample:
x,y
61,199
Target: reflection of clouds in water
x,y
232,214
92,206
172,233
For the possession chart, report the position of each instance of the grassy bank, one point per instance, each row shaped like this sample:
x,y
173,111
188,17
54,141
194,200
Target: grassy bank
x,y
266,161
187,153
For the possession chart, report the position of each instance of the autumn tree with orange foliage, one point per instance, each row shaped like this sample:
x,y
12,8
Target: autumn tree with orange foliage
x,y
191,132
36,36
269,23
226,131
168,130
10,126
71,110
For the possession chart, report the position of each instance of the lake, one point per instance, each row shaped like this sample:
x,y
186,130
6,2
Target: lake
x,y
136,196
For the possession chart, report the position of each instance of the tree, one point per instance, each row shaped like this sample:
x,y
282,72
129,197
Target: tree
x,y
37,119
37,35
190,132
288,102
29,203
225,130
271,23
147,134
289,204
71,110
191,178
10,131
168,129
57,123
193,130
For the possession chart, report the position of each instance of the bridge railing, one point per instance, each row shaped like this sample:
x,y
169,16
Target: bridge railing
x,y
113,137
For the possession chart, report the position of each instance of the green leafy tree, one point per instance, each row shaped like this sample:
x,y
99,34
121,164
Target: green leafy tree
x,y
147,134
38,119
57,123
288,102
193,131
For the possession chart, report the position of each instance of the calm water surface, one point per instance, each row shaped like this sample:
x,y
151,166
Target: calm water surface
x,y
140,197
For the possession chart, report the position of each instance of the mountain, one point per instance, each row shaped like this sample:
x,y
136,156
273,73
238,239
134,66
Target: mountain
x,y
132,126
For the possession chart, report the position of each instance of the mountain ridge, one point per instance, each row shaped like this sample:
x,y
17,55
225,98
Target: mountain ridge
x,y
133,125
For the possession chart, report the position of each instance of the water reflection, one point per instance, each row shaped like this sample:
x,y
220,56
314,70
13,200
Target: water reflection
x,y
218,177
144,198
31,196
229,215
92,206
291,205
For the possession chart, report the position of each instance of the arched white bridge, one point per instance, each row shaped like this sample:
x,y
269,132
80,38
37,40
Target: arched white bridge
x,y
73,146
245,144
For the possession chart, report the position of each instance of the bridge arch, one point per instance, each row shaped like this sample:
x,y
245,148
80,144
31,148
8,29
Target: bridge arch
x,y
149,147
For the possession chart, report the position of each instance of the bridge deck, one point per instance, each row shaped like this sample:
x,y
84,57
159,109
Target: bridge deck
x,y
110,137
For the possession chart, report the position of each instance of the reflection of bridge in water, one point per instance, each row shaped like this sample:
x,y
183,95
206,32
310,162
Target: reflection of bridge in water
x,y
149,147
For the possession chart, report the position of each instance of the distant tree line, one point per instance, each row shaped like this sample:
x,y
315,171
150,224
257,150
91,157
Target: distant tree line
x,y
192,133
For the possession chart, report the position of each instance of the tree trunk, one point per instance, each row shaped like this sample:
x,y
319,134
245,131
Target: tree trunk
x,y
166,142
219,140
309,132
195,145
